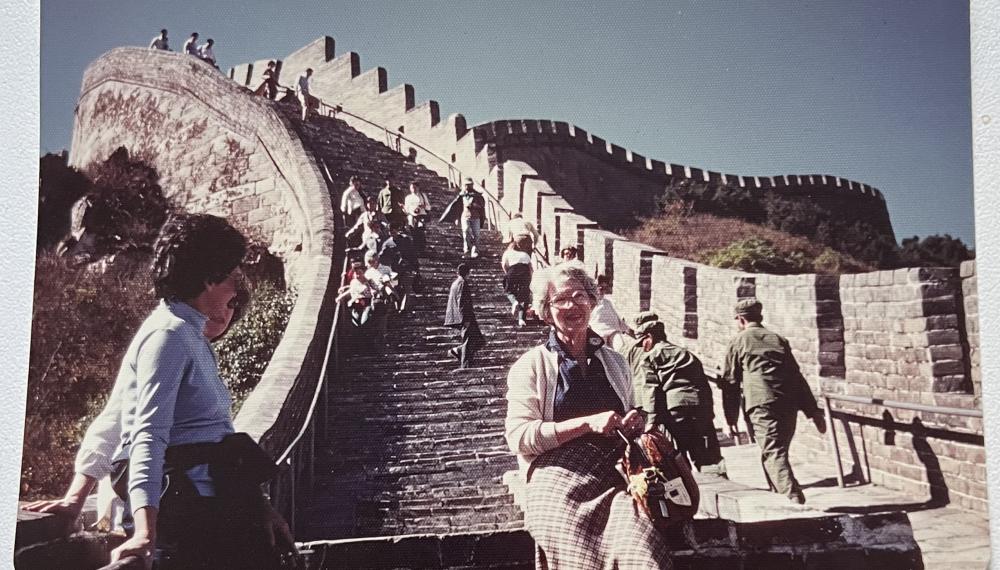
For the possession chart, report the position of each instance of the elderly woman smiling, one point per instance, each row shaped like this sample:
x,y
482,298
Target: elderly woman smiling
x,y
565,401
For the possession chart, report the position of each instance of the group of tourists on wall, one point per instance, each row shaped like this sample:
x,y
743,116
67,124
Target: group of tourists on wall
x,y
204,52
576,399
385,238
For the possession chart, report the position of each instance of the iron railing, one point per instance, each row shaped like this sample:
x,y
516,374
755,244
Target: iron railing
x,y
832,431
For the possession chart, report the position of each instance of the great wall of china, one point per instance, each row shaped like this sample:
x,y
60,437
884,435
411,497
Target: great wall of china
x,y
909,335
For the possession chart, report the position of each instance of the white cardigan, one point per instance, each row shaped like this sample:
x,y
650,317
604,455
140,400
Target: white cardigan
x,y
531,392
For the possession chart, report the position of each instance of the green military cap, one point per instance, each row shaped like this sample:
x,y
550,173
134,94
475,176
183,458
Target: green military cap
x,y
646,321
750,307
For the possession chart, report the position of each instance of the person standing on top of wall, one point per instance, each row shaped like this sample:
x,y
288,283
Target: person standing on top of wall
x,y
160,42
303,92
473,216
269,86
205,52
191,45
774,391
352,202
670,384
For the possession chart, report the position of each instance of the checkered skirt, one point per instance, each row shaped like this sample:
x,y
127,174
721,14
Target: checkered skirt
x,y
580,516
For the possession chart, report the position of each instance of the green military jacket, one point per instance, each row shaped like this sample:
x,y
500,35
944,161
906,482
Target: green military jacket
x,y
763,363
670,377
633,352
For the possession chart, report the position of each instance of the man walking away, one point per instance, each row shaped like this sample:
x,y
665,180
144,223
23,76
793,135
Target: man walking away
x,y
191,45
774,391
460,315
517,227
160,42
303,93
671,386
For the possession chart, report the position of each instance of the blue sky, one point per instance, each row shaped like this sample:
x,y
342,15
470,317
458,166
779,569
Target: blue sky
x,y
872,91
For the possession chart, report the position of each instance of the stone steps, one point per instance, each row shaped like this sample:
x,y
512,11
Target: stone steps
x,y
414,445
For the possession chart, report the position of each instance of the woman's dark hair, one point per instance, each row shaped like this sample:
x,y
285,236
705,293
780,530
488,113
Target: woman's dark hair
x,y
192,250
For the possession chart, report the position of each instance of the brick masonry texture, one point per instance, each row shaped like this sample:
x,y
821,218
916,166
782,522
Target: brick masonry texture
x,y
221,151
584,168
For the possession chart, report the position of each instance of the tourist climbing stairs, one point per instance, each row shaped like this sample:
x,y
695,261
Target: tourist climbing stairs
x,y
415,445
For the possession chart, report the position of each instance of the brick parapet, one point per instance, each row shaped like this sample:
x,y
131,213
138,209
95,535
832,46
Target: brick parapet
x,y
570,158
220,150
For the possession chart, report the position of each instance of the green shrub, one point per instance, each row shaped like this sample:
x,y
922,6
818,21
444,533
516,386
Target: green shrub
x,y
248,346
757,255
82,322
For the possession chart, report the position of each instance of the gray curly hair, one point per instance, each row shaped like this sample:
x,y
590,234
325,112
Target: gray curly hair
x,y
543,280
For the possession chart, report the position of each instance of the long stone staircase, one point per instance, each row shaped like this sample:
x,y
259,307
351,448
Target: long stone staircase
x,y
414,445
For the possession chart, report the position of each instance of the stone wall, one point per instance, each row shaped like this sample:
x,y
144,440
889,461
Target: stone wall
x,y
220,150
604,182
909,335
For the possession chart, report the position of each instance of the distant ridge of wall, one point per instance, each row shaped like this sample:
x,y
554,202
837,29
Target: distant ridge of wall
x,y
604,181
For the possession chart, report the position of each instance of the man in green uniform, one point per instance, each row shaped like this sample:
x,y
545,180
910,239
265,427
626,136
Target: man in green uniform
x,y
670,384
774,391
632,348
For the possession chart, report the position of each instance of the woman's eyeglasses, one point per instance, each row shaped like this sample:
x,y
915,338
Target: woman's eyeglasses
x,y
578,298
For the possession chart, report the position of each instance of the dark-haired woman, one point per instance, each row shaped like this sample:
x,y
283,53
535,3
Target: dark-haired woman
x,y
191,510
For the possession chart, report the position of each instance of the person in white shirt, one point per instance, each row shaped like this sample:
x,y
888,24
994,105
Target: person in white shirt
x,y
302,91
352,202
605,320
160,42
518,226
516,264
205,52
191,45
384,281
417,206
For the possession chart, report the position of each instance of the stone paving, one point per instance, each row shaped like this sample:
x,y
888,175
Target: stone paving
x,y
949,537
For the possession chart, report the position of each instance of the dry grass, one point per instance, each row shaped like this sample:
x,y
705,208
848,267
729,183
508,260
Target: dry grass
x,y
695,236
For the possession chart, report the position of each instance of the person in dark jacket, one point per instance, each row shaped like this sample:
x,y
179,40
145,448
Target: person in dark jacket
x,y
670,384
774,391
460,315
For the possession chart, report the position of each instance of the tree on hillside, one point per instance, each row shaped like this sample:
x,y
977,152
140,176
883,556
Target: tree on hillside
x,y
934,251
59,186
129,203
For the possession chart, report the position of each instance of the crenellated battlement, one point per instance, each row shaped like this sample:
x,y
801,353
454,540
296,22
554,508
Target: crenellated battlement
x,y
541,132
339,80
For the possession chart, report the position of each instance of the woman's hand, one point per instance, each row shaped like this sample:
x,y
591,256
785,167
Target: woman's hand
x,y
140,546
60,507
279,536
604,423
633,422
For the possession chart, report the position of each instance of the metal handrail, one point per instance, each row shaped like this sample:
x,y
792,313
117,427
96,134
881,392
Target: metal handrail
x,y
942,410
832,430
320,384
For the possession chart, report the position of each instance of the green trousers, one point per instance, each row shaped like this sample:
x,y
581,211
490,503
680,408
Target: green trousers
x,y
774,426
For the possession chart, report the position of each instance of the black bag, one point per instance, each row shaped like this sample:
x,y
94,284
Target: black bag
x,y
237,465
